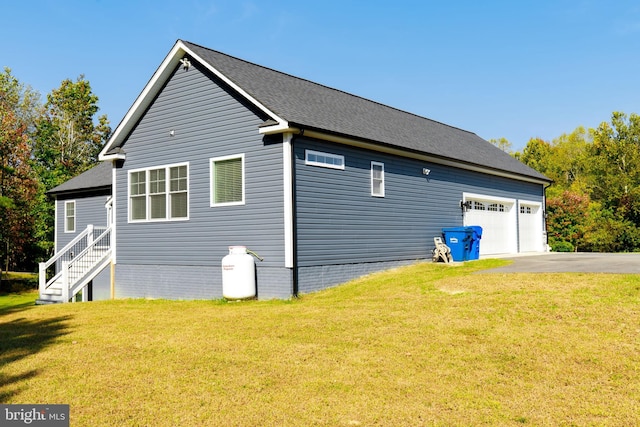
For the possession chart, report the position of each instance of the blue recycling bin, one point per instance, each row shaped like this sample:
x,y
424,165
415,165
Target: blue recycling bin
x,y
474,252
464,242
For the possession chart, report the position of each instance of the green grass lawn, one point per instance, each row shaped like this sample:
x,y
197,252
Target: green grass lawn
x,y
427,344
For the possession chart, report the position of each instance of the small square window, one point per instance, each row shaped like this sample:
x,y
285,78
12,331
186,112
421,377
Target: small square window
x,y
227,181
70,217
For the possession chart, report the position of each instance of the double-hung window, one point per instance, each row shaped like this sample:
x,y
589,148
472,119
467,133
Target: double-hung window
x,y
377,179
227,180
70,216
159,193
178,192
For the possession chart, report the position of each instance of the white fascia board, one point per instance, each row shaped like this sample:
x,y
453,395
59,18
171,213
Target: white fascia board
x,y
143,100
152,88
235,87
105,157
282,127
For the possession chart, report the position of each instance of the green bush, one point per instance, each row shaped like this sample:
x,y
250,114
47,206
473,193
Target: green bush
x,y
561,246
18,282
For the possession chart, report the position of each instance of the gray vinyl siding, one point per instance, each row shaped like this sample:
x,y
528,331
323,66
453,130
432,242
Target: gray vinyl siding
x,y
181,259
194,282
339,222
89,210
315,278
101,285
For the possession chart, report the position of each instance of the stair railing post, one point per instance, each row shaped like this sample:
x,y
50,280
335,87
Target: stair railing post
x,y
89,234
65,281
42,278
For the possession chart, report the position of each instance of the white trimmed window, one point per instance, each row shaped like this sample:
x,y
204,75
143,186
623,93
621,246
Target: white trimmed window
x,y
70,216
178,192
496,207
159,193
325,160
478,206
227,180
377,179
524,209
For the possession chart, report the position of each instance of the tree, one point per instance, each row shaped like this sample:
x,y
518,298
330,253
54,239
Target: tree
x,y
567,219
615,178
502,143
67,139
537,154
615,160
18,107
67,142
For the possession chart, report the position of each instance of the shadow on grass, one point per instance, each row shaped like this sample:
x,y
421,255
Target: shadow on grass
x,y
8,309
21,338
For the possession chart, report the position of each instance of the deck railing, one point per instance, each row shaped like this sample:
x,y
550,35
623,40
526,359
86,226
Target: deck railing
x,y
74,266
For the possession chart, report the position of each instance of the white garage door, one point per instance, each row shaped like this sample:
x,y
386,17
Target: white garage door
x,y
530,226
497,217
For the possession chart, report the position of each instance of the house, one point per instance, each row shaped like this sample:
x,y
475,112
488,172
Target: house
x,y
324,185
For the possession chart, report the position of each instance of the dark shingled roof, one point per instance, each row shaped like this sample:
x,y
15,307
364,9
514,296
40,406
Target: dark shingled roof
x,y
313,106
98,177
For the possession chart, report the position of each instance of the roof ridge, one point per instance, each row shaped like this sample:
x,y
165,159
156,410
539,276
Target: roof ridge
x,y
329,87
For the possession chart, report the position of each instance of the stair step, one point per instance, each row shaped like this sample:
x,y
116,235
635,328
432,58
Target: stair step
x,y
41,301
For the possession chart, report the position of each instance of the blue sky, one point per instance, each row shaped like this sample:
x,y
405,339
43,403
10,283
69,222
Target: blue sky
x,y
513,69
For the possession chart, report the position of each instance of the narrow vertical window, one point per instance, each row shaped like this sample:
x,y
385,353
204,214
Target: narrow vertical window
x,y
157,194
178,191
227,181
70,217
138,195
377,179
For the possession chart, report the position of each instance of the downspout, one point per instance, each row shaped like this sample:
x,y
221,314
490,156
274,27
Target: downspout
x,y
289,207
294,219
544,214
112,266
55,225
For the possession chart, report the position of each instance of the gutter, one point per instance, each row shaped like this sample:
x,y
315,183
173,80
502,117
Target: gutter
x,y
272,127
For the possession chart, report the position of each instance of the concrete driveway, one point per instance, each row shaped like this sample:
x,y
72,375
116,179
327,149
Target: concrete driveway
x,y
572,263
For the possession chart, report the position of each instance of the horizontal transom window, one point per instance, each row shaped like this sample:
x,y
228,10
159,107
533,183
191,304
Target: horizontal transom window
x,y
489,206
325,160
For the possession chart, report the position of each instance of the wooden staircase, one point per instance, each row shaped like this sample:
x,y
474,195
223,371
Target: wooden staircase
x,y
71,269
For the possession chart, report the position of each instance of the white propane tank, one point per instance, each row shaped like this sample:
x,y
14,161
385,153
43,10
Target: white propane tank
x,y
238,274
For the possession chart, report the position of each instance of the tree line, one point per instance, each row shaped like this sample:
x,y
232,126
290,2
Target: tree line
x,y
593,204
42,145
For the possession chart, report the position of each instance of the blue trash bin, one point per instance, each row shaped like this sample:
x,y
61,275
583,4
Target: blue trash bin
x,y
459,240
474,252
